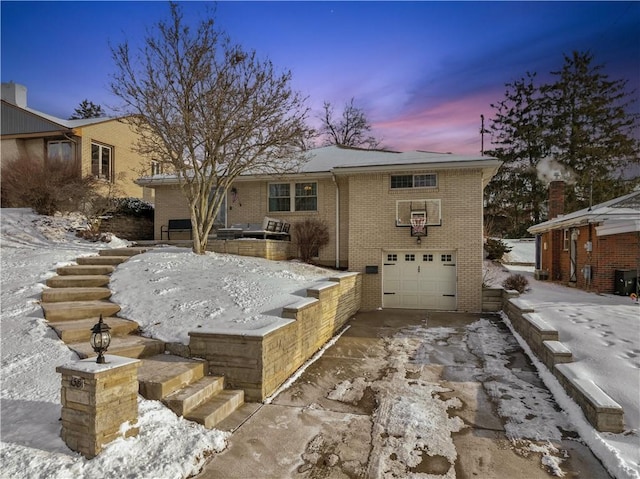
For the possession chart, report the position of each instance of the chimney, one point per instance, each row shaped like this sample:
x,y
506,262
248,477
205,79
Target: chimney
x,y
556,199
15,94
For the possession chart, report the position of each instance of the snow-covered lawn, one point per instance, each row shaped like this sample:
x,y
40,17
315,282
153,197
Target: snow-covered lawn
x,y
170,292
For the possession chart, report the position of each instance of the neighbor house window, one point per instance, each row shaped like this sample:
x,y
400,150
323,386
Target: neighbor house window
x,y
156,168
101,160
60,150
305,196
565,240
414,181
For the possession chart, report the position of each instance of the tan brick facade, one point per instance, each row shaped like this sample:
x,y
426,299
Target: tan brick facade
x,y
367,222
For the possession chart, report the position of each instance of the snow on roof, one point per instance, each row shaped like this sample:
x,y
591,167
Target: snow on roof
x,y
68,123
340,159
622,208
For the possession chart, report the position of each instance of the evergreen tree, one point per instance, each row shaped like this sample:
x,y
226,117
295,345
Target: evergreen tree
x,y
581,122
516,193
87,109
590,130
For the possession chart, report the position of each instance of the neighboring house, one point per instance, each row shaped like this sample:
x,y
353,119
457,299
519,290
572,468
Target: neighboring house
x,y
367,198
595,248
102,147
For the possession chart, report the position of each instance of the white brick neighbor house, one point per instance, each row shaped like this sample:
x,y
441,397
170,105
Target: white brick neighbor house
x,y
367,198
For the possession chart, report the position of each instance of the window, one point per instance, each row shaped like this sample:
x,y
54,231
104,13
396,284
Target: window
x,y
427,257
414,181
60,150
445,258
409,257
305,196
101,158
156,168
392,257
565,240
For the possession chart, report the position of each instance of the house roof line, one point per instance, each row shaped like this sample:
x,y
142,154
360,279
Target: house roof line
x,y
606,211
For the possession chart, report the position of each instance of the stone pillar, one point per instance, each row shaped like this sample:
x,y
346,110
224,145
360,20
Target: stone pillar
x,y
96,400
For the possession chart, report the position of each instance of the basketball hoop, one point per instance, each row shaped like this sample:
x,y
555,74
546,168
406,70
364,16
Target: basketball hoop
x,y
418,226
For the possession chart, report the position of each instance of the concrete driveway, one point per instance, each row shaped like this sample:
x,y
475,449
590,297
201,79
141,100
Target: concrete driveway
x,y
411,394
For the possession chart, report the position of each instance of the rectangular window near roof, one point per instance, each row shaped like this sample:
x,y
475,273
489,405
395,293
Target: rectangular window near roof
x,y
101,160
414,181
60,150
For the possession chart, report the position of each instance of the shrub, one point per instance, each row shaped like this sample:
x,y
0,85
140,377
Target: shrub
x,y
311,235
516,281
132,207
46,187
495,249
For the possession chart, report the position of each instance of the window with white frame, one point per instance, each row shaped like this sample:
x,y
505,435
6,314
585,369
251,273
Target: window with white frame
x,y
156,168
101,160
565,240
60,150
293,196
414,181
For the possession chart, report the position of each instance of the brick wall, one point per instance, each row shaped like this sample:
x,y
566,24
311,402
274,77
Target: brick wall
x,y
373,230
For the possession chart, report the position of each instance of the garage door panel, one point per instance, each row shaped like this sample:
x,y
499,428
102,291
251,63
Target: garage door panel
x,y
420,280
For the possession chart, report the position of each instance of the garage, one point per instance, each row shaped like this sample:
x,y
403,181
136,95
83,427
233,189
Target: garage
x,y
419,280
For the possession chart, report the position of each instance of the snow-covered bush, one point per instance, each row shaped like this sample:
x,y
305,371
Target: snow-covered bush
x,y
518,282
133,207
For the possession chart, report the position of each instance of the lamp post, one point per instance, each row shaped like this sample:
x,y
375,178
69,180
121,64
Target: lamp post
x,y
100,339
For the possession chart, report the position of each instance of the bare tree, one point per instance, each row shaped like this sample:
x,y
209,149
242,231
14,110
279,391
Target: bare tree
x,y
351,129
210,111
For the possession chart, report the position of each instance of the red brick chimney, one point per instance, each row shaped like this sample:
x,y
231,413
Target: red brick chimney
x,y
556,199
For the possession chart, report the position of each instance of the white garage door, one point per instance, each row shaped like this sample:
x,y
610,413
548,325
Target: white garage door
x,y
419,280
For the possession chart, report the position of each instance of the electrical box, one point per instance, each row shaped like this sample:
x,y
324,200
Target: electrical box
x,y
371,270
588,246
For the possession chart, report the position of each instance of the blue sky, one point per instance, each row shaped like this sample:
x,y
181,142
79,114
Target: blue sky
x,y
423,72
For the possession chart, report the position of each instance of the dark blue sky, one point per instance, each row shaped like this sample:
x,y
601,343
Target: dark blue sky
x,y
422,71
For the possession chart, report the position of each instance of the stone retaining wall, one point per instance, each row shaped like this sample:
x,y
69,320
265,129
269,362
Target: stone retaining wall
x,y
270,249
260,361
601,411
128,227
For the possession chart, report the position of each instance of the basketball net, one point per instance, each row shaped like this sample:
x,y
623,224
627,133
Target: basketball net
x,y
418,225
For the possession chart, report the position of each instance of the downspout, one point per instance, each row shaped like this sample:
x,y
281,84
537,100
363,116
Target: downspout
x,y
333,176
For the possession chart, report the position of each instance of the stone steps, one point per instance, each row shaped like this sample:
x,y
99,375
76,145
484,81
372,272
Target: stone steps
x,y
102,260
83,281
85,270
72,310
79,330
128,346
59,295
72,306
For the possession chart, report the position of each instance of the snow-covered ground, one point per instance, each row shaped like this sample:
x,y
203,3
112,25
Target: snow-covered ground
x,y
170,292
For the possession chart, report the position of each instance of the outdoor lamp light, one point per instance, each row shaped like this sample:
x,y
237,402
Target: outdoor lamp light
x,y
100,339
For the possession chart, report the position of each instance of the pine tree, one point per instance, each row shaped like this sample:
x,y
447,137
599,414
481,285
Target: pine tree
x,y
516,193
87,109
590,130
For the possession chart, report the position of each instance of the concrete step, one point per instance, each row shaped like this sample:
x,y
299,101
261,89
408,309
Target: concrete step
x,y
82,281
217,408
85,269
57,295
161,375
127,346
192,396
80,330
122,251
238,417
70,310
102,260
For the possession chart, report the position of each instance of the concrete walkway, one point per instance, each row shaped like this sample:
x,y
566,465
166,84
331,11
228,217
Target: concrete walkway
x,y
351,413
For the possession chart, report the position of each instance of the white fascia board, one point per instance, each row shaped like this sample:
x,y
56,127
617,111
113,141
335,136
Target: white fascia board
x,y
445,165
615,227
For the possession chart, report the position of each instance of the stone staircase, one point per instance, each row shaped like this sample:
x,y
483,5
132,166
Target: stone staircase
x,y
79,295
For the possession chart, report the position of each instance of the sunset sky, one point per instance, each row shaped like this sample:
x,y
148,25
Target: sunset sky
x,y
423,72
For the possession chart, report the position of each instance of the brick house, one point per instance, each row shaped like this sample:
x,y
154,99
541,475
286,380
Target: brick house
x,y
367,198
586,248
102,147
